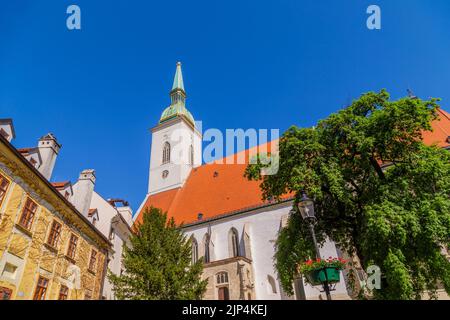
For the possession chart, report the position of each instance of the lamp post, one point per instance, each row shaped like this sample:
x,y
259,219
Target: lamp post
x,y
306,208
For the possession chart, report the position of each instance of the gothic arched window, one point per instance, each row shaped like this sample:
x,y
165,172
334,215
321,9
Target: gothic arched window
x,y
166,153
233,239
222,277
207,251
194,250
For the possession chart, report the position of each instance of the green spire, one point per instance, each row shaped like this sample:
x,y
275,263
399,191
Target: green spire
x,y
178,100
178,80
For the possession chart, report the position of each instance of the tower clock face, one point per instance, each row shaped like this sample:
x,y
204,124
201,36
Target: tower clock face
x,y
165,174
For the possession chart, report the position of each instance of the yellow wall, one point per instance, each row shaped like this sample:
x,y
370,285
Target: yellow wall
x,y
35,256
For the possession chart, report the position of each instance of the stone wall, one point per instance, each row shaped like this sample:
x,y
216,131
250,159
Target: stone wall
x,y
240,278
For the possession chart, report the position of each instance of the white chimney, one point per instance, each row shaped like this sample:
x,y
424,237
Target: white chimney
x,y
124,210
48,149
7,129
127,214
83,190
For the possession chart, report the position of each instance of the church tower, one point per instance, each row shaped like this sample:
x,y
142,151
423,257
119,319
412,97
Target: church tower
x,y
176,142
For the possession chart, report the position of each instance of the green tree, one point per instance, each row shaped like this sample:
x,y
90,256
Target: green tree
x,y
158,263
380,193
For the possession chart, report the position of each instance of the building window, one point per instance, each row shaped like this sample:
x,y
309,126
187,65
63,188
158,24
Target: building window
x,y
207,251
191,155
41,289
55,232
222,278
9,271
28,213
4,184
5,293
93,261
234,243
63,293
71,251
272,286
166,153
224,293
194,250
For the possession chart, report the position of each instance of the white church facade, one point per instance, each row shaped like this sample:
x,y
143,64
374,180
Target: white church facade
x,y
221,211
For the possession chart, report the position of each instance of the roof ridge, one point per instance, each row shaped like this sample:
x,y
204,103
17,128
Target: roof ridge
x,y
444,113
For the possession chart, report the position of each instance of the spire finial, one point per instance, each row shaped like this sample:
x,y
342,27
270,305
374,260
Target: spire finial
x,y
178,79
411,94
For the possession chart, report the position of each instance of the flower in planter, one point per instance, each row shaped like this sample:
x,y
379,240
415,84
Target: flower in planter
x,y
311,265
319,271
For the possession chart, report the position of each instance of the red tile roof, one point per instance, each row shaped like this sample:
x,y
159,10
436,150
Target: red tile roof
x,y
25,150
441,131
221,189
213,189
60,185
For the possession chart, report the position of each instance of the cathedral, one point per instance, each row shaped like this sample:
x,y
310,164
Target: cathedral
x,y
221,211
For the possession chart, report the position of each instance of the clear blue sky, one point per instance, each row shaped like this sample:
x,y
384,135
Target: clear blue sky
x,y
246,64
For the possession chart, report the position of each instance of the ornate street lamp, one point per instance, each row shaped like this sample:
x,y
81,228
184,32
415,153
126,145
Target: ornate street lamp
x,y
306,208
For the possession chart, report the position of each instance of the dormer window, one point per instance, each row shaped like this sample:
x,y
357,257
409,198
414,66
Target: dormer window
x,y
166,153
93,214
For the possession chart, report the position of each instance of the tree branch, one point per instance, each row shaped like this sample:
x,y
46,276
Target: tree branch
x,y
377,167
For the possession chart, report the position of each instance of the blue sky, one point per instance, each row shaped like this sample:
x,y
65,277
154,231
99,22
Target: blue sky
x,y
246,64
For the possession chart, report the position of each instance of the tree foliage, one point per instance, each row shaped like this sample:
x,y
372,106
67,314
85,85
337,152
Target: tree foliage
x,y
158,263
380,193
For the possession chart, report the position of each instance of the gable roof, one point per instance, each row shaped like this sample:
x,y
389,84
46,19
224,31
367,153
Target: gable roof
x,y
218,190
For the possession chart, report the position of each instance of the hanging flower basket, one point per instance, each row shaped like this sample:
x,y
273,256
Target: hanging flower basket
x,y
317,277
319,271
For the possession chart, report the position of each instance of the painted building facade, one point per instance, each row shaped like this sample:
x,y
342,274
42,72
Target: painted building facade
x,y
48,249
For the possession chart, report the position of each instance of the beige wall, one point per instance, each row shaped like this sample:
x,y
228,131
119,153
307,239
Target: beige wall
x,y
240,278
24,254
